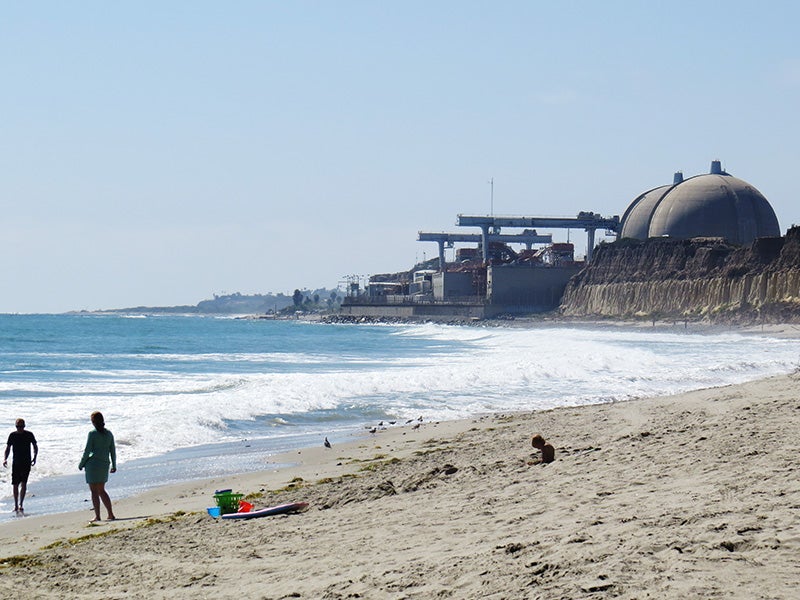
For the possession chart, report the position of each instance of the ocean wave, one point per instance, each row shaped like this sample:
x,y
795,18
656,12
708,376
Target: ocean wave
x,y
399,372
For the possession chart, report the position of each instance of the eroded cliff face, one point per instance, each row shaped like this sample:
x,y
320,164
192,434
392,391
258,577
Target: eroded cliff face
x,y
706,278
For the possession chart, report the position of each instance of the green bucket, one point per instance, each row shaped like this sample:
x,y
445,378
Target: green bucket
x,y
227,501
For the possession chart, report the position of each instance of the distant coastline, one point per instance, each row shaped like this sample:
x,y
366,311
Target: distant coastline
x,y
320,299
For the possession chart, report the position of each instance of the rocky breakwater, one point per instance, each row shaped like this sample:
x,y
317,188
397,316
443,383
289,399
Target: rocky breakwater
x,y
689,279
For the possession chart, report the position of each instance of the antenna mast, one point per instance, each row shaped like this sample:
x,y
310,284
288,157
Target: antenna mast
x,y
491,197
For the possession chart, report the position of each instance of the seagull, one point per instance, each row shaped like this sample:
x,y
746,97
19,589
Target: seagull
x,y
373,430
327,443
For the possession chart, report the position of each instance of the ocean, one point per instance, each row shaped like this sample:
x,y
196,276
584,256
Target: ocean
x,y
193,397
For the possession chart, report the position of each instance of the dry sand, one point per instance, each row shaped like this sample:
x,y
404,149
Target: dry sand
x,y
692,496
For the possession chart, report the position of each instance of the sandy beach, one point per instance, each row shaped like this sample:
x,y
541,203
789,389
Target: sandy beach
x,y
690,496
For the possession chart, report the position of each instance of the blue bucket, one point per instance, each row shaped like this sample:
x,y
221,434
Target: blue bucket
x,y
214,511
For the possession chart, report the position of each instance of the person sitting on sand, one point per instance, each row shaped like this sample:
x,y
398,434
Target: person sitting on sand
x,y
548,452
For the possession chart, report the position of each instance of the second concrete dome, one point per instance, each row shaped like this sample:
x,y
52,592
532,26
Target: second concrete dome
x,y
711,205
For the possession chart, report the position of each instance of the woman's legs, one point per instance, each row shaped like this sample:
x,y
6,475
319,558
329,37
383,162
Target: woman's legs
x,y
99,494
93,487
106,501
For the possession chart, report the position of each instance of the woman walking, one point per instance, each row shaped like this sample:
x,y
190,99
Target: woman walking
x,y
97,457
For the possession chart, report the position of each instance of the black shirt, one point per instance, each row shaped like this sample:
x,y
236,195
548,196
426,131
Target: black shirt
x,y
20,442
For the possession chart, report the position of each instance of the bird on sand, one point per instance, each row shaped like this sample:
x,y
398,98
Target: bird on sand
x,y
327,443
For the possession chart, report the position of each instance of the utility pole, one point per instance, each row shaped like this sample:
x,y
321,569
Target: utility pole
x,y
491,203
491,197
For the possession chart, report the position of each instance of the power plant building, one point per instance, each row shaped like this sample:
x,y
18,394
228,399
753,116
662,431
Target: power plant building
x,y
715,204
495,278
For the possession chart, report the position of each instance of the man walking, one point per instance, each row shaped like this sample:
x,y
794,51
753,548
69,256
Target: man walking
x,y
21,441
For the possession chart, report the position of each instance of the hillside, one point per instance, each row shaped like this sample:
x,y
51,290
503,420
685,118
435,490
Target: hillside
x,y
242,304
700,278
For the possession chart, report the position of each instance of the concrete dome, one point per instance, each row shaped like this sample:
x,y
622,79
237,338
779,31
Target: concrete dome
x,y
636,220
712,205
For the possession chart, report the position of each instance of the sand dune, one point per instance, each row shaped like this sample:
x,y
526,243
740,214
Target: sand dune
x,y
692,496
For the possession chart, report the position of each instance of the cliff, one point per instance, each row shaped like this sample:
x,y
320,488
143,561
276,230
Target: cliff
x,y
699,278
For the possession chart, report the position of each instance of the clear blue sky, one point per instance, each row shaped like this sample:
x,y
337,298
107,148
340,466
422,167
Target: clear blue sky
x,y
154,153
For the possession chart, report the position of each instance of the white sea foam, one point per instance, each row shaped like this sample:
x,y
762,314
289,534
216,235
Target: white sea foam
x,y
463,371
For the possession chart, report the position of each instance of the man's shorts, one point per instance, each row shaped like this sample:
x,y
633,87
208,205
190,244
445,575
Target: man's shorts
x,y
20,472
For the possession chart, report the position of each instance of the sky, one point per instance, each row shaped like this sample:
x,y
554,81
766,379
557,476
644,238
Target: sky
x,y
158,153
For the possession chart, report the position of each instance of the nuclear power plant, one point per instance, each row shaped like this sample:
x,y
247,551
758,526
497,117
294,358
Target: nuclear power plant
x,y
505,265
715,204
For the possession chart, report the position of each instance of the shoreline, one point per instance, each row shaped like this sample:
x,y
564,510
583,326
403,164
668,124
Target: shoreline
x,y
676,496
228,457
779,329
31,532
66,492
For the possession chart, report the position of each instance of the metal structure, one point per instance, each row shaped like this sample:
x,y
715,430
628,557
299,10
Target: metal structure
x,y
527,237
588,221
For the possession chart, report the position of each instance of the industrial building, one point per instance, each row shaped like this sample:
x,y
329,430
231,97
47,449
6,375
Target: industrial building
x,y
503,273
514,273
715,204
